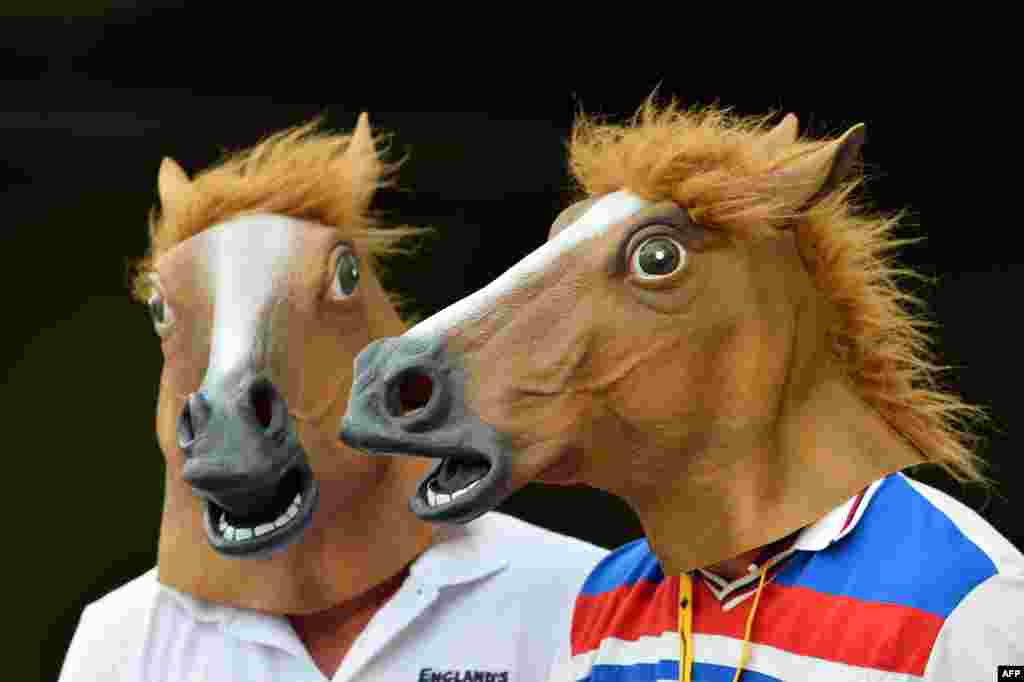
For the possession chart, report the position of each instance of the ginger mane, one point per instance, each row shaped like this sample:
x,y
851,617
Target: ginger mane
x,y
708,160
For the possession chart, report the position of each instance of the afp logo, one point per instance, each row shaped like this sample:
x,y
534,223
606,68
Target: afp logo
x,y
432,675
1010,672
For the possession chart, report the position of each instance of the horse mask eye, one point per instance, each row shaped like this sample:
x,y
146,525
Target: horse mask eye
x,y
159,312
346,274
657,257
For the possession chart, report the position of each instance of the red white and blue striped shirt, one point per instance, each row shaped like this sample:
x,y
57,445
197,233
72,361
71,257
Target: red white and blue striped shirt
x,y
901,582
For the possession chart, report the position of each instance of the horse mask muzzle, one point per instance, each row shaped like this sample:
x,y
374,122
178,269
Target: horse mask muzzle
x,y
243,458
409,393
408,399
242,452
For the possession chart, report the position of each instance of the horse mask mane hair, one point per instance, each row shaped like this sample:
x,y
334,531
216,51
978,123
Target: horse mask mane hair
x,y
774,371
260,276
751,183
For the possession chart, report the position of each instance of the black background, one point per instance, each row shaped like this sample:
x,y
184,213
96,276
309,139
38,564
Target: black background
x,y
95,94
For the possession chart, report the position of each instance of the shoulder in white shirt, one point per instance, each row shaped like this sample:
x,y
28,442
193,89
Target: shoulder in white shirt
x,y
489,602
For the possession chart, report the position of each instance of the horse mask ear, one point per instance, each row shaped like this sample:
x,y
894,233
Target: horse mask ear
x,y
772,143
814,175
362,152
173,186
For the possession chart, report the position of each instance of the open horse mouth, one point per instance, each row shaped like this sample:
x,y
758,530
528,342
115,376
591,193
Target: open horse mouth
x,y
271,529
460,487
250,471
471,478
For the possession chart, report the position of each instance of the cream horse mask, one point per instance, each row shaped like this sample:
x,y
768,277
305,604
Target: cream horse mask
x,y
713,334
260,274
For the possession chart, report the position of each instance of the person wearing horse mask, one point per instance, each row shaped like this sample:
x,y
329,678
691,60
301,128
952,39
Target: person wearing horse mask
x,y
283,554
715,334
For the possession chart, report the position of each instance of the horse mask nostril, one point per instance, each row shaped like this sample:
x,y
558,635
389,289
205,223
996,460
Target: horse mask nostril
x,y
262,398
186,432
193,419
412,393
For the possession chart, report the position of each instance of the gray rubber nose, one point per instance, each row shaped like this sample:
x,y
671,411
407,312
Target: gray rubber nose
x,y
259,403
409,398
236,450
402,386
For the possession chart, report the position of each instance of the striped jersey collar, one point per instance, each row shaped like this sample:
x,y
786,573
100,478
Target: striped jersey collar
x,y
831,528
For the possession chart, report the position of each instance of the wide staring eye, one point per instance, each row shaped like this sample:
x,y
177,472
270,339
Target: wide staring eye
x,y
346,274
657,257
160,312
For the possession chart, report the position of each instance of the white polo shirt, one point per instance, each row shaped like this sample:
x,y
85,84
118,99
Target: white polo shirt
x,y
490,602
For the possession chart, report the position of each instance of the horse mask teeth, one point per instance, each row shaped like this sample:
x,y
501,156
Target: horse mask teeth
x,y
274,528
460,488
456,473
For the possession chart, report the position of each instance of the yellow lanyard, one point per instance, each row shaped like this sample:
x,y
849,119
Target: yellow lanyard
x,y
685,628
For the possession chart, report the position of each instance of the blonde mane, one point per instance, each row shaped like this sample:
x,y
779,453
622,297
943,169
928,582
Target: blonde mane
x,y
709,160
302,172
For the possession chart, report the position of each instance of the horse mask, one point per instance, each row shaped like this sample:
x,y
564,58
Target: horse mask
x,y
260,274
713,334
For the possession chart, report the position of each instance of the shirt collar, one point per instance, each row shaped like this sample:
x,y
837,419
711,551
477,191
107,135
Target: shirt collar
x,y
829,529
838,523
458,555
